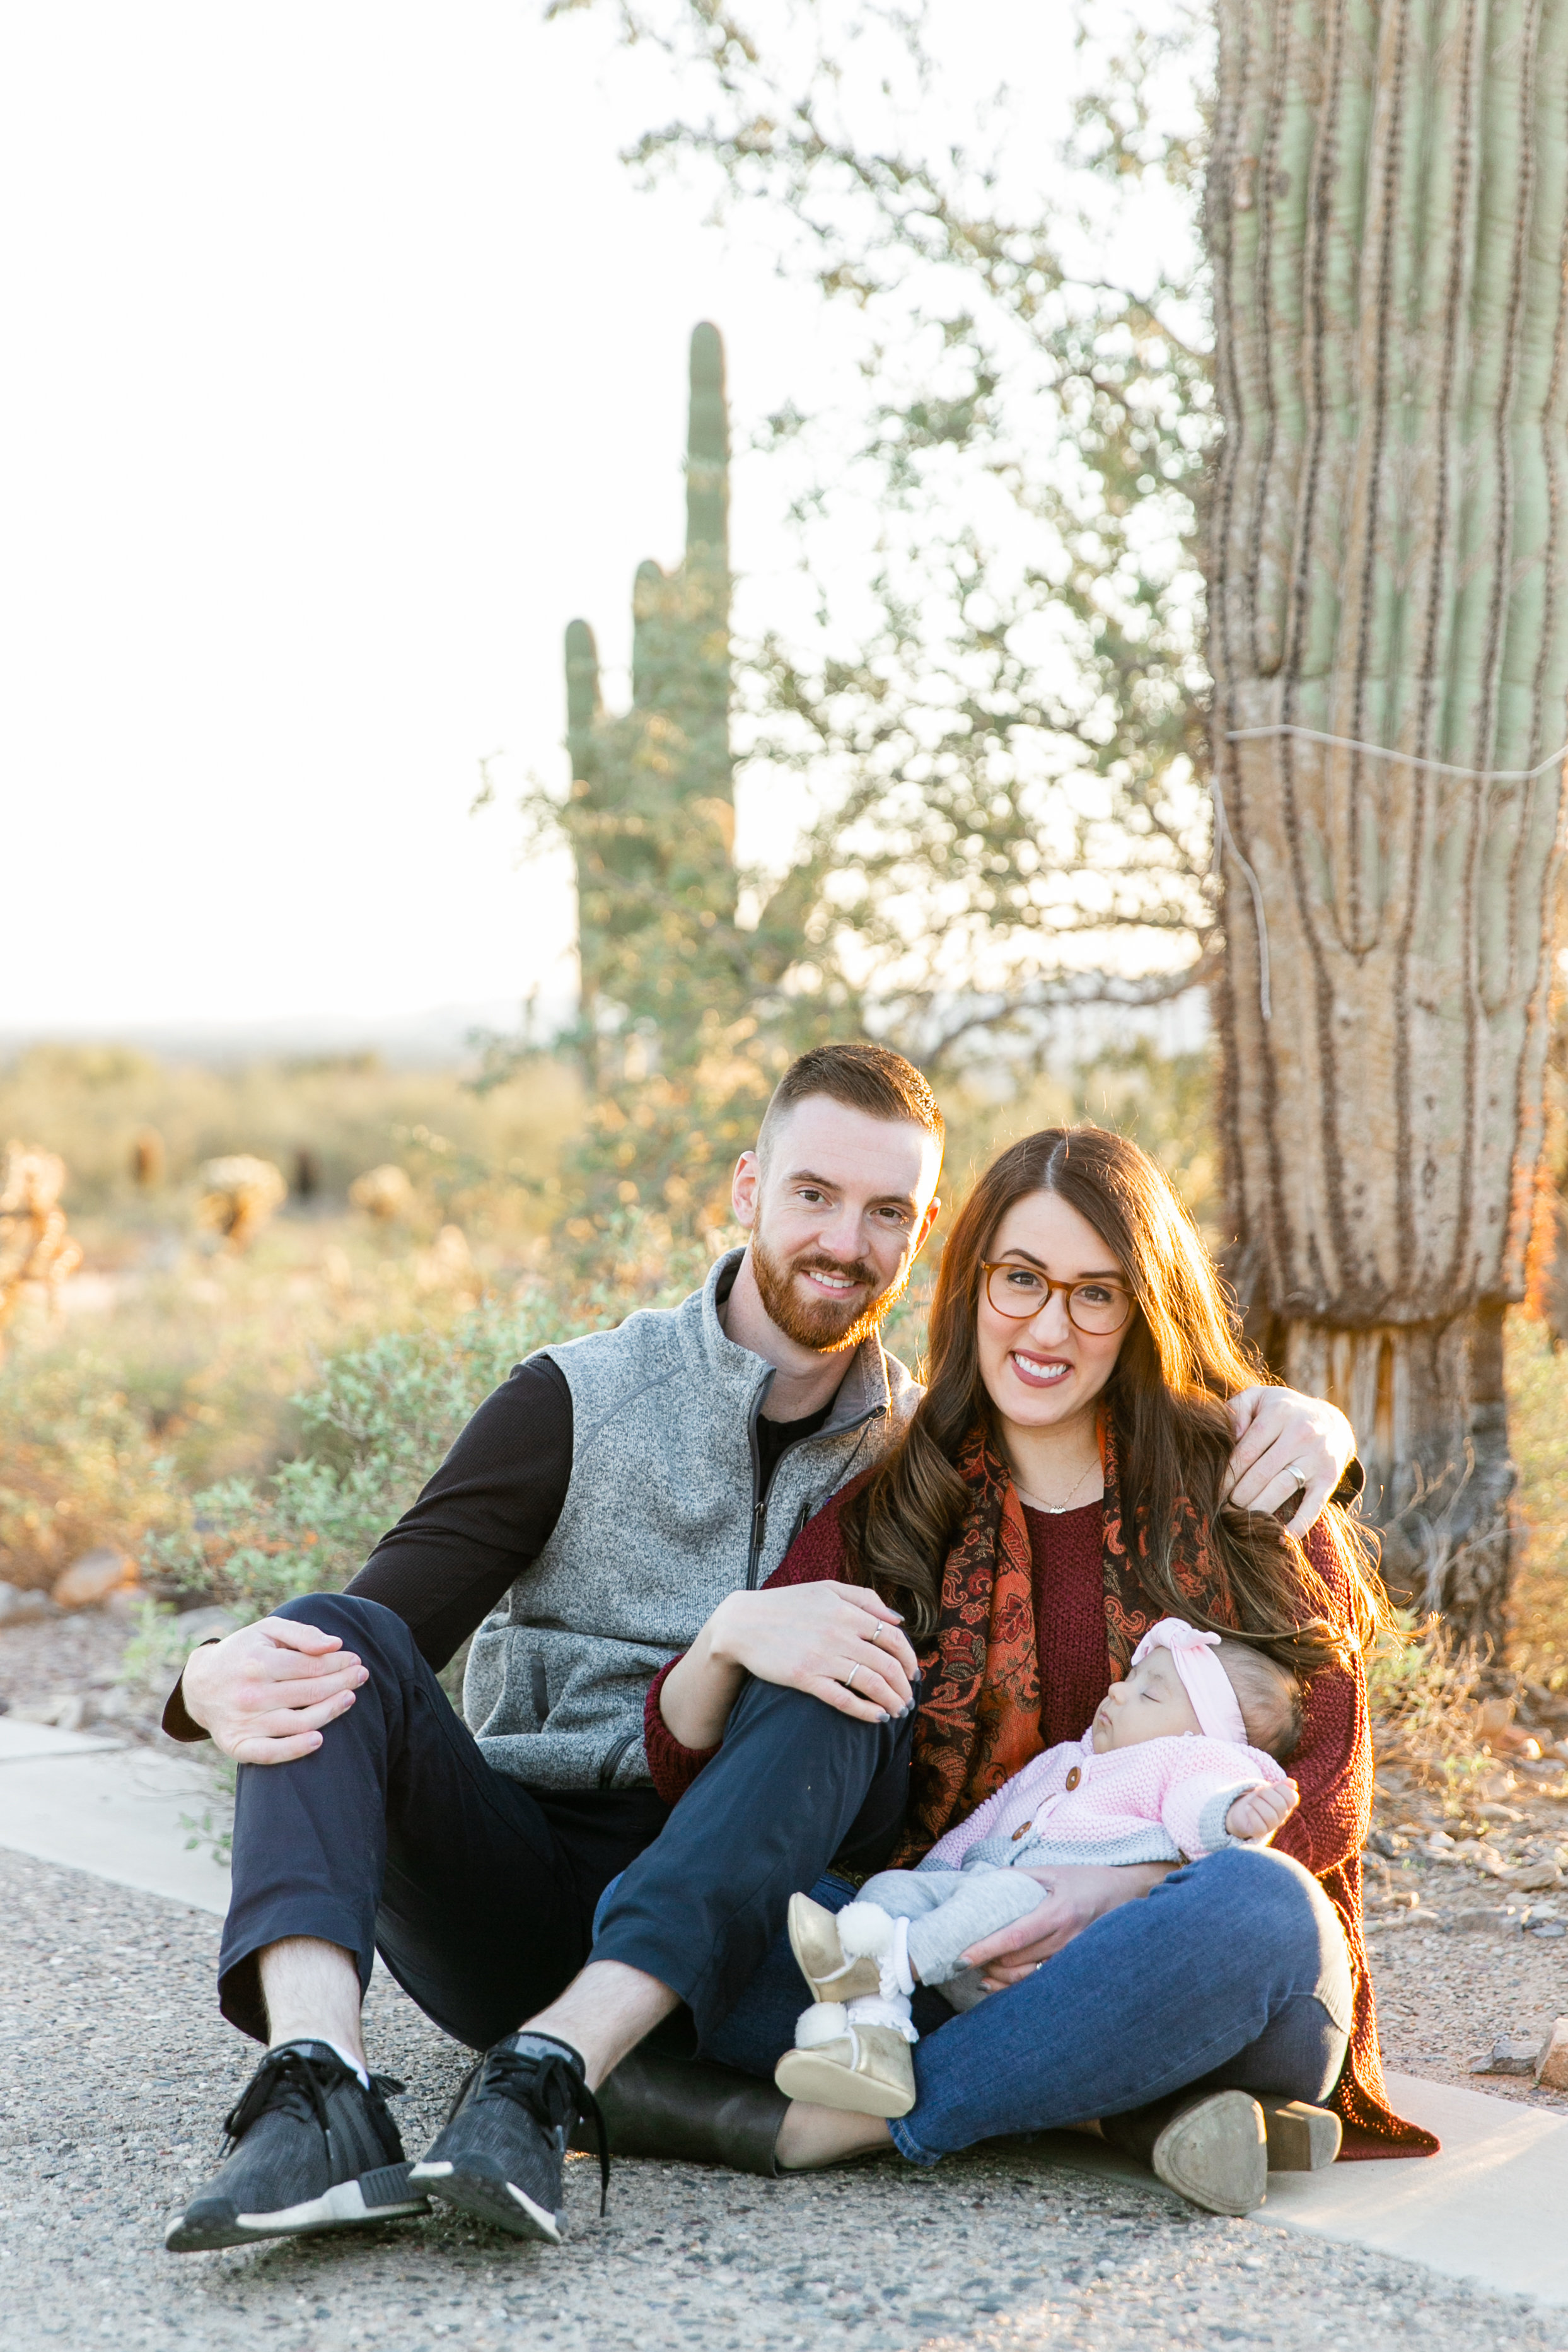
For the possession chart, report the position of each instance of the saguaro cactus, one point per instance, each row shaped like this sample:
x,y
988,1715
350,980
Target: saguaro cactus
x,y
1389,631
652,815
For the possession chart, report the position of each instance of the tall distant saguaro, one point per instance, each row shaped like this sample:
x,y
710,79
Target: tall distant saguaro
x,y
652,819
1387,210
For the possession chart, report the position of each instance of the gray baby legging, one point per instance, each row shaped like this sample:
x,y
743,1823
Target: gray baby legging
x,y
949,1910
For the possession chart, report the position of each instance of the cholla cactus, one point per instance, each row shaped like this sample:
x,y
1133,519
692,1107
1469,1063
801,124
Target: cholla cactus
x,y
384,1192
35,1246
240,1196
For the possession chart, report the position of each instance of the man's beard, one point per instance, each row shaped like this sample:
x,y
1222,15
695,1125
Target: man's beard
x,y
829,1328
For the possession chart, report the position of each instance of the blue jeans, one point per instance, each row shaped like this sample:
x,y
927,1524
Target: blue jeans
x,y
1232,1974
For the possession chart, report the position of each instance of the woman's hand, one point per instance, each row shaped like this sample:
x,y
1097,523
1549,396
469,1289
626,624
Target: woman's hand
x,y
264,1692
1263,1811
1286,1444
1076,1895
808,1637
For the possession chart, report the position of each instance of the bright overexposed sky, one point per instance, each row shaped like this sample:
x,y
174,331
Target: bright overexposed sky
x,y
345,364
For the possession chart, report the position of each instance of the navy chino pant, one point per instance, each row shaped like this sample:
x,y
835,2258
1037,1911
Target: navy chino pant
x,y
396,1836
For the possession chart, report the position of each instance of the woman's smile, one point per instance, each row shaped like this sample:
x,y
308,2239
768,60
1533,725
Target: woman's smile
x,y
1039,1371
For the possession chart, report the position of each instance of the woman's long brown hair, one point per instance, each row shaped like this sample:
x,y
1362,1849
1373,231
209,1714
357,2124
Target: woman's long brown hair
x,y
1183,1357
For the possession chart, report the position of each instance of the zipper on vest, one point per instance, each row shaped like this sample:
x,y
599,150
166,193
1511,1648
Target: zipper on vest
x,y
759,1501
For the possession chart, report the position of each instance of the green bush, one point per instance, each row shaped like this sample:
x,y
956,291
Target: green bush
x,y
376,1425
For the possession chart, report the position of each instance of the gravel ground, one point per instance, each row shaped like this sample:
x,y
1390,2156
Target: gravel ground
x,y
1444,1998
62,1655
114,2068
1474,1958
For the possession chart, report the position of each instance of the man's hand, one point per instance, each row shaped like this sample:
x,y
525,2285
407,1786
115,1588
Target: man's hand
x,y
1076,1895
1287,1444
264,1692
817,1638
1263,1811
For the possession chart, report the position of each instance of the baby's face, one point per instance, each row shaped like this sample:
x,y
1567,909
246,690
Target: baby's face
x,y
1150,1704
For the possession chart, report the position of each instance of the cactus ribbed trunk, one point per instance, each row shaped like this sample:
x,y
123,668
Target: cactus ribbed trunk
x,y
653,822
1387,210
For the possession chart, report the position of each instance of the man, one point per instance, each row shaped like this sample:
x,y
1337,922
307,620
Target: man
x,y
615,1495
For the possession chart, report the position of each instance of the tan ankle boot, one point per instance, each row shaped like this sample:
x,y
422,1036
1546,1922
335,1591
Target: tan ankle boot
x,y
1301,2137
851,2063
1215,2152
814,1940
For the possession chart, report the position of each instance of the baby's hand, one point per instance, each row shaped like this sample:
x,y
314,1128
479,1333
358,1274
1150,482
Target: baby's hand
x,y
1263,1810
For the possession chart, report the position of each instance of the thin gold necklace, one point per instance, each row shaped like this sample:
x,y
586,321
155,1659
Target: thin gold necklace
x,y
1057,1510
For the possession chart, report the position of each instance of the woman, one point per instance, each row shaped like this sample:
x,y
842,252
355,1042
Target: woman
x,y
1060,1488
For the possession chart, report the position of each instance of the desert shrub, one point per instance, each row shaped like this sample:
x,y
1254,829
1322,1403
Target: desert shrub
x,y
134,1130
377,1422
78,1467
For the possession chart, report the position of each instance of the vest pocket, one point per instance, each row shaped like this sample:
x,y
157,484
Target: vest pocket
x,y
538,1689
612,1763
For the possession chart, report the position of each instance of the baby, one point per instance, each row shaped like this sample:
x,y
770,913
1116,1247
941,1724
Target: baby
x,y
1182,1758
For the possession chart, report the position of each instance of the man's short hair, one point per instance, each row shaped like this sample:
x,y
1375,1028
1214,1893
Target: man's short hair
x,y
863,1077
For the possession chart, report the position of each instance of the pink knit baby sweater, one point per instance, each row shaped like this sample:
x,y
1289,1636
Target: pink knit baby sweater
x,y
1164,1800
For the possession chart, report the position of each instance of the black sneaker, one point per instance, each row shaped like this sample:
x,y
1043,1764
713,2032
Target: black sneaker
x,y
308,2147
500,2153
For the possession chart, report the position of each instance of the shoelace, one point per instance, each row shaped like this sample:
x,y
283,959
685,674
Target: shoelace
x,y
548,2089
298,2084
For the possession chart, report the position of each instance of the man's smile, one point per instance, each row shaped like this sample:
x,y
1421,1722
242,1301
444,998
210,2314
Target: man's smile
x,y
834,1286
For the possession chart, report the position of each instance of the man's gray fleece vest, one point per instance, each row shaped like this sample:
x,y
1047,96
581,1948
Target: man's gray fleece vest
x,y
661,1521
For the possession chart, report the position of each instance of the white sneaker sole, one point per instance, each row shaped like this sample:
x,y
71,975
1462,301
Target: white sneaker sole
x,y
344,2207
818,2081
498,2200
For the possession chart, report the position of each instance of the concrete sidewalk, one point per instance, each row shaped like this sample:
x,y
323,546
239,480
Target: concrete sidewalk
x,y
1491,2208
121,1812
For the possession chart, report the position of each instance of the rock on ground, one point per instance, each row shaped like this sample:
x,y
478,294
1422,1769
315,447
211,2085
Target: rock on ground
x,y
115,2070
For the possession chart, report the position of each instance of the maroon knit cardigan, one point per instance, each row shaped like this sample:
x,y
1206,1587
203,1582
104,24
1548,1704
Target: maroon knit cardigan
x,y
1331,1767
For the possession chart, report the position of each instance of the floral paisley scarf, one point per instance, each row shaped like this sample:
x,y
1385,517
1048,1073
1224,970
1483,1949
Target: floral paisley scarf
x,y
979,1716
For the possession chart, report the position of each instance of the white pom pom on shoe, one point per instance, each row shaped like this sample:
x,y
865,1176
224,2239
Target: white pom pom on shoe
x,y
825,2021
865,1932
868,1932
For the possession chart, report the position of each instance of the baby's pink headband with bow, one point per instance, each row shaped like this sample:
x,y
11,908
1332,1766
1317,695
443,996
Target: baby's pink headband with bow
x,y
1204,1679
